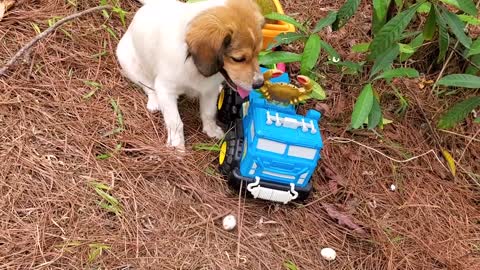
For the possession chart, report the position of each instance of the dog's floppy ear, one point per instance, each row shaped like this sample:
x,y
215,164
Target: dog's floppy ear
x,y
207,39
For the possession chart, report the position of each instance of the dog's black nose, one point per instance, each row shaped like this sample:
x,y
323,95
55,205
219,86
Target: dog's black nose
x,y
257,84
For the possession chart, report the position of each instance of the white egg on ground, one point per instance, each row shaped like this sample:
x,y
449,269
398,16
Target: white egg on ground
x,y
328,254
229,222
393,187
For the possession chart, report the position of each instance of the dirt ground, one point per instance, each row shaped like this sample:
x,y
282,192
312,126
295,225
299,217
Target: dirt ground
x,y
171,209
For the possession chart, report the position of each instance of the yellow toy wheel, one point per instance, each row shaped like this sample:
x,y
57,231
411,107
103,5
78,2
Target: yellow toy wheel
x,y
221,97
223,153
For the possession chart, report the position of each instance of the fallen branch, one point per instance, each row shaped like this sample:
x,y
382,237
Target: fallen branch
x,y
45,33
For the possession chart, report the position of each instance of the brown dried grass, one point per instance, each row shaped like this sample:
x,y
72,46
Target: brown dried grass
x,y
50,137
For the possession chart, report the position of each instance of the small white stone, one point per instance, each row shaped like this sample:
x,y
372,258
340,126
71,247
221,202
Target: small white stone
x,y
393,187
328,254
229,222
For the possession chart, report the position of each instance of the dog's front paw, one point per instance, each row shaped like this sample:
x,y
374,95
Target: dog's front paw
x,y
213,131
176,141
152,105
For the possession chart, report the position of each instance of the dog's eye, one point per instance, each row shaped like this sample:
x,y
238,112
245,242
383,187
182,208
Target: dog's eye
x,y
238,60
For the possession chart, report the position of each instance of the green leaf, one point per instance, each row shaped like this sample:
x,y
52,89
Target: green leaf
x,y
345,13
385,60
380,10
443,39
468,7
457,27
361,47
460,80
285,18
477,120
348,67
322,23
362,106
330,50
318,92
430,25
475,48
416,43
404,48
469,19
472,68
399,72
391,32
310,55
375,115
425,8
458,112
285,38
290,265
279,57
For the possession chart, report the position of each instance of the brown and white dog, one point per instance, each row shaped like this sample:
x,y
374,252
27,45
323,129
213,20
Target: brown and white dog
x,y
173,48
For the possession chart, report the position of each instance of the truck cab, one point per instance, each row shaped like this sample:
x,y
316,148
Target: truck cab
x,y
271,149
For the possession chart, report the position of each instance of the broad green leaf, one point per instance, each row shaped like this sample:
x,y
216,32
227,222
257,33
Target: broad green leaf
x,y
348,67
324,22
385,60
472,68
279,57
416,43
361,47
469,19
443,39
362,106
317,92
475,48
404,48
458,112
391,32
375,115
380,10
468,7
460,80
430,25
285,38
310,55
287,19
425,8
457,27
450,161
330,50
345,12
399,72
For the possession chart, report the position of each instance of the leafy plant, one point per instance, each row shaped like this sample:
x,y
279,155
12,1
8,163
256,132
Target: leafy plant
x,y
108,202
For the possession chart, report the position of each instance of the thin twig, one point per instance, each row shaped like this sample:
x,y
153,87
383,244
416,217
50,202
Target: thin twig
x,y
456,134
346,140
45,33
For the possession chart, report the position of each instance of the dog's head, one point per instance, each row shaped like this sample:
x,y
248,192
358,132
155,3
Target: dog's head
x,y
228,39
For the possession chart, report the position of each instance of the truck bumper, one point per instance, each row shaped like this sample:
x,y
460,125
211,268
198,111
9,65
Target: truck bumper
x,y
236,179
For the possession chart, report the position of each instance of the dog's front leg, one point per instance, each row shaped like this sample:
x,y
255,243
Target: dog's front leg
x,y
208,110
167,103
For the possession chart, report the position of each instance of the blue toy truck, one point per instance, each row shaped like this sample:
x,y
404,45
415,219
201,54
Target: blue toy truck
x,y
269,147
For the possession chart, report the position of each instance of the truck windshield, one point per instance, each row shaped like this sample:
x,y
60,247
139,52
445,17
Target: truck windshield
x,y
271,146
302,152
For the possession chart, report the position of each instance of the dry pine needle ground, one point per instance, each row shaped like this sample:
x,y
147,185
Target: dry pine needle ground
x,y
56,107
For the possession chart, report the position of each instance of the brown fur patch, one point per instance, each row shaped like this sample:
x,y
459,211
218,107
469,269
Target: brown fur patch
x,y
229,36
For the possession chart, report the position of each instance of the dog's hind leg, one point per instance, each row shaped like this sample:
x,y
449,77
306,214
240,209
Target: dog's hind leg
x,y
131,68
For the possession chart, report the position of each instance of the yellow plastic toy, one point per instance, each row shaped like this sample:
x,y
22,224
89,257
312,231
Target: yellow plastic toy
x,y
272,29
285,92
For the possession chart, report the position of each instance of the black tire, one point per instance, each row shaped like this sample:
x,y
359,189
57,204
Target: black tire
x,y
226,167
229,105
